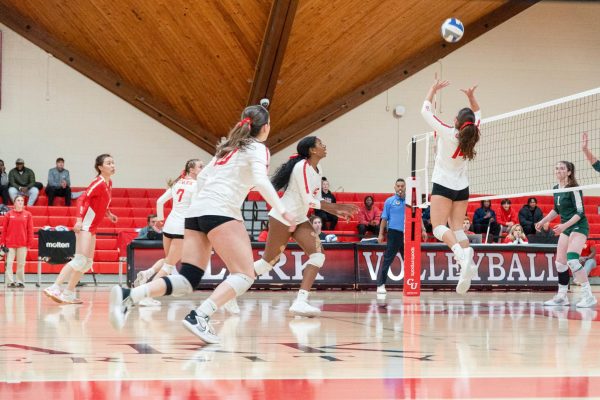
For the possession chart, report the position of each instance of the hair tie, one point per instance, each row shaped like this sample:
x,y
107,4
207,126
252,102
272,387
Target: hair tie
x,y
183,174
244,121
295,155
467,123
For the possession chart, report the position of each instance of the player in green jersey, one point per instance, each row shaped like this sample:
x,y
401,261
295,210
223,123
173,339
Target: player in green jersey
x,y
573,230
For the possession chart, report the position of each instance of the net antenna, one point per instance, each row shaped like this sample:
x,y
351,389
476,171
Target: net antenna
x,y
518,150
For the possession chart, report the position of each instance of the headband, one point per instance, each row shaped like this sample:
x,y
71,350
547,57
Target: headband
x,y
244,121
467,123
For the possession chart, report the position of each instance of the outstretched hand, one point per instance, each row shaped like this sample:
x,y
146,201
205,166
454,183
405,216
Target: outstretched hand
x,y
584,141
438,85
346,211
469,91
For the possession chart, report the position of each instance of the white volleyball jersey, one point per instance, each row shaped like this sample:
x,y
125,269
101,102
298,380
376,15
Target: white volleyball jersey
x,y
302,193
225,182
450,169
181,192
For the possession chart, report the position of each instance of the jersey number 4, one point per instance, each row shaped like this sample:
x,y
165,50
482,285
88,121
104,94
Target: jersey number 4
x,y
457,153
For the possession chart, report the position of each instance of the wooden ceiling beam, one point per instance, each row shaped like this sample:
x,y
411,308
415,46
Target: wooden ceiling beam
x,y
108,79
400,72
272,51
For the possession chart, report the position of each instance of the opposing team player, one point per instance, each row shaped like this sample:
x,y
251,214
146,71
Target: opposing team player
x,y
300,177
214,219
455,146
180,191
92,207
573,230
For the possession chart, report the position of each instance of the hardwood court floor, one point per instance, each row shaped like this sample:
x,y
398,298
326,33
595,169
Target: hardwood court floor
x,y
483,345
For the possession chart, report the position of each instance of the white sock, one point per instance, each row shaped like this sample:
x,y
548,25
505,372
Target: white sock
x,y
139,293
563,289
207,308
458,251
585,286
303,295
168,268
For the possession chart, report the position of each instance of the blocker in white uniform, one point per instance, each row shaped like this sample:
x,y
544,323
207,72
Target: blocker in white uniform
x,y
181,192
302,193
225,182
450,168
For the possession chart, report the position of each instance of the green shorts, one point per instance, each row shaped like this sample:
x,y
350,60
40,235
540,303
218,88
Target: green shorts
x,y
580,227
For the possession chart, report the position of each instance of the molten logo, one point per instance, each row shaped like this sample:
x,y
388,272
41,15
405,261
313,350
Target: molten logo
x,y
58,245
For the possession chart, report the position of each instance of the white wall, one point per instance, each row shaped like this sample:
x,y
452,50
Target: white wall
x,y
550,50
49,110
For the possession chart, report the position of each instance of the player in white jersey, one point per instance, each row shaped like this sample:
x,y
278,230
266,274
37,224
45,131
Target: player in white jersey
x,y
180,191
300,177
214,220
455,146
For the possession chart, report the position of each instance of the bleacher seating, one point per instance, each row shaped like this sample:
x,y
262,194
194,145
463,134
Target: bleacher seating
x,y
132,206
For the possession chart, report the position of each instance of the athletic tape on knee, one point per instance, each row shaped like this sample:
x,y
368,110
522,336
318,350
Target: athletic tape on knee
x,y
78,263
315,259
575,265
262,267
560,267
168,269
439,232
192,274
240,283
177,285
461,236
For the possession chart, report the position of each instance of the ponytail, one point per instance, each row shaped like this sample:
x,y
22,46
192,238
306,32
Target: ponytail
x,y
186,170
243,134
468,133
281,179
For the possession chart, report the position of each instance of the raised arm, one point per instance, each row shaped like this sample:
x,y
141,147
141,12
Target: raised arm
x,y
588,153
470,93
427,110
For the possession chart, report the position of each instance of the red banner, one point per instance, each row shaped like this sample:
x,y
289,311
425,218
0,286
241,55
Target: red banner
x,y
357,265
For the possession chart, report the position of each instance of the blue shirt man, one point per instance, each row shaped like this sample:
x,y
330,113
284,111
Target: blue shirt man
x,y
392,219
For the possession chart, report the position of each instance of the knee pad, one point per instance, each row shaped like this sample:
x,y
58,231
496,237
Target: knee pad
x,y
78,263
563,277
439,232
168,269
316,259
262,266
240,283
192,274
89,264
575,265
560,267
177,285
461,236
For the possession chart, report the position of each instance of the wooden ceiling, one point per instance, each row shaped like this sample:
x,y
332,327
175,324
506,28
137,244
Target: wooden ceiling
x,y
194,65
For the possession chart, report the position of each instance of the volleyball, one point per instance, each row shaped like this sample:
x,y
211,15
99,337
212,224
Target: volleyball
x,y
452,30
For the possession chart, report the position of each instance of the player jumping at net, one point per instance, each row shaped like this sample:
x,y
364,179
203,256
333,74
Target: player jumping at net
x,y
573,230
181,191
92,207
301,178
214,219
450,193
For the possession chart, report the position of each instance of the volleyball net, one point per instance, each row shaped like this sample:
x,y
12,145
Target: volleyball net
x,y
517,151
